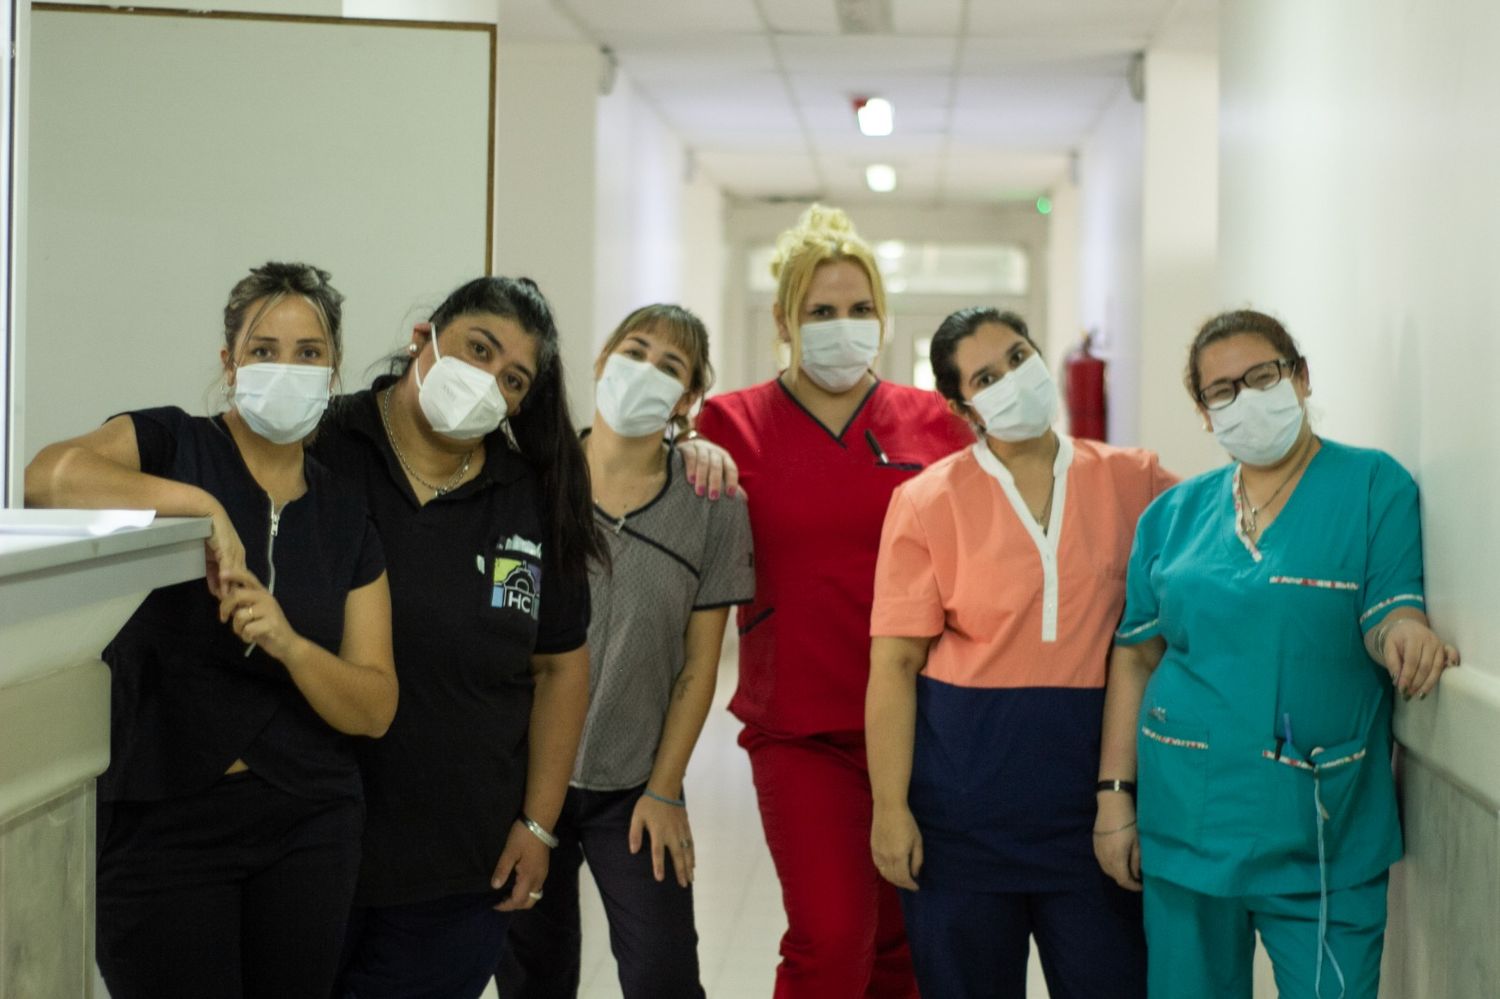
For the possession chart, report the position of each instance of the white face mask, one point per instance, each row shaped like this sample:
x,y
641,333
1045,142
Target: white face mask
x,y
281,402
1020,406
1261,425
458,399
837,353
636,399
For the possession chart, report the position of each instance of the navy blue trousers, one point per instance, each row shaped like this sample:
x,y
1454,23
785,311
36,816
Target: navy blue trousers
x,y
443,949
972,944
650,922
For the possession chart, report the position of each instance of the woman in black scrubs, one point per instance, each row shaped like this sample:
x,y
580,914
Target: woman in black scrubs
x,y
229,817
479,491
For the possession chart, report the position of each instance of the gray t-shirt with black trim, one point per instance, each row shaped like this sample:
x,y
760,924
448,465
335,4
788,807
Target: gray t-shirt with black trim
x,y
678,554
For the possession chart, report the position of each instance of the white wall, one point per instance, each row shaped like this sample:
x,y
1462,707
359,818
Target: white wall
x,y
1064,270
547,94
594,201
1179,242
1359,206
15,90
1110,180
705,257
1357,203
159,178
659,232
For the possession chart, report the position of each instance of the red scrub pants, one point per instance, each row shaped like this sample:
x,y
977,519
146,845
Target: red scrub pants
x,y
845,938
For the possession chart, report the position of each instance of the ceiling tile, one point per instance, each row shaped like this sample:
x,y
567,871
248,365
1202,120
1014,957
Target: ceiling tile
x,y
1129,23
927,17
760,174
867,56
692,60
533,20
907,147
801,17
611,20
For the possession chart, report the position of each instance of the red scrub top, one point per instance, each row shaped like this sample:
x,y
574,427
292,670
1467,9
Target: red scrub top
x,y
817,503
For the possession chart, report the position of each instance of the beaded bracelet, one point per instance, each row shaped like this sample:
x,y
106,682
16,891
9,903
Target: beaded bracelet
x,y
677,802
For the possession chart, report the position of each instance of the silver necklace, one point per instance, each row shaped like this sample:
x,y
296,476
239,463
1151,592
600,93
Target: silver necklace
x,y
1252,512
453,480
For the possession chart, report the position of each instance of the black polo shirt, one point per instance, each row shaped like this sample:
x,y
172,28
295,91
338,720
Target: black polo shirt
x,y
186,700
473,595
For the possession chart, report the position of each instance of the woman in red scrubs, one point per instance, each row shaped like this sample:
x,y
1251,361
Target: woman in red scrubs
x,y
820,448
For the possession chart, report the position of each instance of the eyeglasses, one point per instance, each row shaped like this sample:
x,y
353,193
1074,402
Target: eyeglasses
x,y
1267,374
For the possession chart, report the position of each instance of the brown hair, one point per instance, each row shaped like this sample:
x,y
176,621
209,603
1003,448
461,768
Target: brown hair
x,y
683,330
1228,324
960,326
269,284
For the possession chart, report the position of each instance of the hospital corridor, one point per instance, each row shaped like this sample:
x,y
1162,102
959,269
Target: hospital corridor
x,y
793,499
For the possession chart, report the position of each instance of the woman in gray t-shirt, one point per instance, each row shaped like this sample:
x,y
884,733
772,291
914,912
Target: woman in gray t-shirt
x,y
677,564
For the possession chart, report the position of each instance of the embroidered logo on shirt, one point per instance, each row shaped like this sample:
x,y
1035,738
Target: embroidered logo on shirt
x,y
517,576
1320,584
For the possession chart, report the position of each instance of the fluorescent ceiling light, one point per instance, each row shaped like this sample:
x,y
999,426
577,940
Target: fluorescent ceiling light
x,y
881,177
876,116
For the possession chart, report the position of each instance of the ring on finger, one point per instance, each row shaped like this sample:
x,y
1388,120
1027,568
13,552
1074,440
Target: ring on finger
x,y
535,896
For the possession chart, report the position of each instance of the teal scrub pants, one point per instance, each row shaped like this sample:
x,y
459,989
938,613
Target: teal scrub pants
x,y
1203,945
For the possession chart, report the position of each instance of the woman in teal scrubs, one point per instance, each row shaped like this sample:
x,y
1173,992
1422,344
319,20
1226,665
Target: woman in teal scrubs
x,y
1271,608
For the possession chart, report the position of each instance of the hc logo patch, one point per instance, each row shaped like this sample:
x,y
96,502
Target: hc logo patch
x,y
517,585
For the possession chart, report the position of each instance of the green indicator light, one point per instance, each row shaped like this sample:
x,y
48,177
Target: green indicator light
x,y
1044,205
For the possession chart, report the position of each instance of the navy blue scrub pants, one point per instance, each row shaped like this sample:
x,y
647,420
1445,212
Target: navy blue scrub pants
x,y
236,892
650,922
976,944
443,949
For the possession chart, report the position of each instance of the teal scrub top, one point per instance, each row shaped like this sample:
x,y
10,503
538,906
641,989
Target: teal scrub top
x,y
1265,705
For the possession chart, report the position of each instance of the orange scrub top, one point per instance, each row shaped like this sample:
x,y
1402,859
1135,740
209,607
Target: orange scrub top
x,y
1010,703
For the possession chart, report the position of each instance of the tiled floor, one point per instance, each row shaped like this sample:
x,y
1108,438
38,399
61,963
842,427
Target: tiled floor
x,y
740,920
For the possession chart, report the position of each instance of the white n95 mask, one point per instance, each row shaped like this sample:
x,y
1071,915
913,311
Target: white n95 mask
x,y
636,399
458,399
281,402
1020,406
836,353
1260,426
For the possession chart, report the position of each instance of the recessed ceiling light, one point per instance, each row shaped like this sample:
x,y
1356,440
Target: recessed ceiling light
x,y
876,116
881,177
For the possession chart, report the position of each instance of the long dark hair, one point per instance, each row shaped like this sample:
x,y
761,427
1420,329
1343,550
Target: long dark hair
x,y
543,428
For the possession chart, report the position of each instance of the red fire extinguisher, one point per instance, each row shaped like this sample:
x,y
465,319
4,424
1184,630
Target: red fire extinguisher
x,y
1087,409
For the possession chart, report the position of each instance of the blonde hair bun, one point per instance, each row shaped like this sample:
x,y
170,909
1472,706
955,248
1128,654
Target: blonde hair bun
x,y
820,225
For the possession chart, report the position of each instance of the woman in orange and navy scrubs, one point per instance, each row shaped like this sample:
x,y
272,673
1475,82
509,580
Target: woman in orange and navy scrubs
x,y
1000,580
819,450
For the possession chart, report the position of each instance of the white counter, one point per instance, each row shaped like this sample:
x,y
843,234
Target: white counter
x,y
61,600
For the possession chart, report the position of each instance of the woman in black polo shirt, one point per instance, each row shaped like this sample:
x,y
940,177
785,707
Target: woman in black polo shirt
x,y
479,491
229,816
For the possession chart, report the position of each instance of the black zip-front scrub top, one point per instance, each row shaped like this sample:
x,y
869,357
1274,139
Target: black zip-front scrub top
x,y
473,596
187,701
